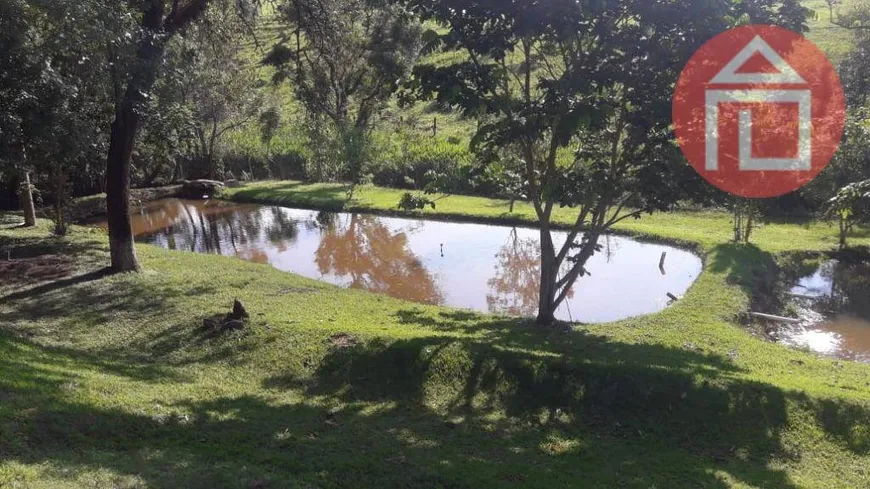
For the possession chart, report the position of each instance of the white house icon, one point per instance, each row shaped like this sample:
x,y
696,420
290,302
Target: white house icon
x,y
784,74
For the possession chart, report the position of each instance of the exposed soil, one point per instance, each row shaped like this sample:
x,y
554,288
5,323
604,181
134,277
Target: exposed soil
x,y
342,341
30,270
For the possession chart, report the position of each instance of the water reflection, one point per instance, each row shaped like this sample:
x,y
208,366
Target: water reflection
x,y
514,287
372,257
472,266
837,312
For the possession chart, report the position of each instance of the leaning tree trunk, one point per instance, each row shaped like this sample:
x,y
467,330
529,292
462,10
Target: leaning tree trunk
x,y
27,202
123,138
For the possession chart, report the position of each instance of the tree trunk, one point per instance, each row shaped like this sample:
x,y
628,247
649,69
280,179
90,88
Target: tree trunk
x,y
549,275
844,231
176,170
60,227
738,223
121,247
123,138
27,202
747,229
209,163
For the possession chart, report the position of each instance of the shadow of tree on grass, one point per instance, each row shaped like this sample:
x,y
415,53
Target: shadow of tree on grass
x,y
729,425
753,270
561,425
330,197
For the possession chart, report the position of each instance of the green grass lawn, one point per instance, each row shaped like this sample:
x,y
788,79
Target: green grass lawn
x,y
834,40
107,381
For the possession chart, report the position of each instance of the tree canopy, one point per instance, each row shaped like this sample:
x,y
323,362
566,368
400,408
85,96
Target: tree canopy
x,y
580,93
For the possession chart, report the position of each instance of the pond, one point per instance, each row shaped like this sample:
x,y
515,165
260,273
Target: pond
x,y
485,268
835,309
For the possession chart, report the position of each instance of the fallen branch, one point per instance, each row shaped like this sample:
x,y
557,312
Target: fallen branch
x,y
771,317
802,296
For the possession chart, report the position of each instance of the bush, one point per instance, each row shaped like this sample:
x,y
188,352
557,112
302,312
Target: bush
x,y
406,162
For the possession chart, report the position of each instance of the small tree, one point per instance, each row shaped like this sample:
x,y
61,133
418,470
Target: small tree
x,y
851,162
582,91
269,123
848,207
346,59
217,87
746,213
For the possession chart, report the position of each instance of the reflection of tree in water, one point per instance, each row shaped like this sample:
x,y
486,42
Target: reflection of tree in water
x,y
281,230
219,228
514,288
375,259
325,220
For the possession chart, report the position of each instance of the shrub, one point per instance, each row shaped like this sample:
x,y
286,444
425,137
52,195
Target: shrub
x,y
408,162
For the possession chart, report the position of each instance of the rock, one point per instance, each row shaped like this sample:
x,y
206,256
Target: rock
x,y
198,189
233,184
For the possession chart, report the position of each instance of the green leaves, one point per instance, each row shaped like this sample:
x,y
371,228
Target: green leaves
x,y
412,202
850,206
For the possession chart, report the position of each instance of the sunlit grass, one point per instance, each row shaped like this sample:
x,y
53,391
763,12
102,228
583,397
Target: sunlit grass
x,y
107,380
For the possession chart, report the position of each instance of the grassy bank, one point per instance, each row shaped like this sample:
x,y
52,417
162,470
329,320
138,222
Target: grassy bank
x,y
707,229
108,381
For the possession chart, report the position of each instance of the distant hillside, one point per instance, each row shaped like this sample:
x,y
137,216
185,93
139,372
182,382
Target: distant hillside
x,y
420,121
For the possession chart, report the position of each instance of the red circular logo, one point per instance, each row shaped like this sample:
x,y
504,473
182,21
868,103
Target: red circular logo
x,y
759,111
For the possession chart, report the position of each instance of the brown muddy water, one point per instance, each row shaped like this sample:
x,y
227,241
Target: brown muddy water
x,y
835,308
485,268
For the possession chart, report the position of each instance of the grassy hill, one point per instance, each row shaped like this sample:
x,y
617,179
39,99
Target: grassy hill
x,y
110,381
834,40
416,123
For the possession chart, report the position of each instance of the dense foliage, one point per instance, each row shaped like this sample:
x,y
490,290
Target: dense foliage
x,y
503,84
345,58
59,59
